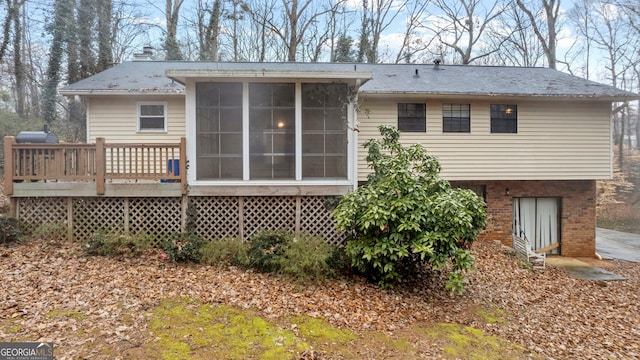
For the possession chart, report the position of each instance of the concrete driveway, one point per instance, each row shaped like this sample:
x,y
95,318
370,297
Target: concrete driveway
x,y
611,244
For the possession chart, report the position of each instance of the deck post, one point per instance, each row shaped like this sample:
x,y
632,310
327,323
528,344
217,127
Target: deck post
x,y
101,165
183,164
8,164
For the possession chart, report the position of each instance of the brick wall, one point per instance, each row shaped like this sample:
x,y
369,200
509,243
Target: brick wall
x,y
577,208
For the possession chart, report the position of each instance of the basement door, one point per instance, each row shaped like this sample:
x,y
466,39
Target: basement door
x,y
539,220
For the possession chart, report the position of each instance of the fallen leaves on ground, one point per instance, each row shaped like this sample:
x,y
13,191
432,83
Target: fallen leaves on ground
x,y
96,307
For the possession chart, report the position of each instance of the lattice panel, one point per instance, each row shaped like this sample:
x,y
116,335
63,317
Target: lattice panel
x,y
91,215
316,219
42,211
48,215
217,217
268,213
158,217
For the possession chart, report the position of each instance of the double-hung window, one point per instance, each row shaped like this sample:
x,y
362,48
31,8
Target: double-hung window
x,y
412,117
456,118
504,118
152,116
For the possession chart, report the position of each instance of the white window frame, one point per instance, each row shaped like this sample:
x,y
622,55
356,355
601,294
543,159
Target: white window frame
x,y
352,146
139,106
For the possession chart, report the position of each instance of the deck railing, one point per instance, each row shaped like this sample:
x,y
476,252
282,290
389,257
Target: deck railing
x,y
97,162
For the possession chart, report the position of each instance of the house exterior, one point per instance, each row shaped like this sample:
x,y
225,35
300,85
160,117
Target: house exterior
x,y
266,144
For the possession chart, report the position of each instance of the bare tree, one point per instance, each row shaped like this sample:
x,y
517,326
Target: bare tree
x,y
376,19
547,32
520,46
127,32
299,18
465,23
615,37
580,15
260,41
413,41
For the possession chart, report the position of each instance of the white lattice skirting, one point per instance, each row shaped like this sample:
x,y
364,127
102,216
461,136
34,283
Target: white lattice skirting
x,y
217,217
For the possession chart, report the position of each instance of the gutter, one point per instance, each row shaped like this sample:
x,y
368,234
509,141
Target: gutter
x,y
151,91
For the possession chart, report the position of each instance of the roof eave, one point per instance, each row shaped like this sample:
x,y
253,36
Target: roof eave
x,y
214,74
147,92
612,98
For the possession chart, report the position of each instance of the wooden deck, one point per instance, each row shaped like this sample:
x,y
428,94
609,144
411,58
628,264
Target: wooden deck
x,y
100,169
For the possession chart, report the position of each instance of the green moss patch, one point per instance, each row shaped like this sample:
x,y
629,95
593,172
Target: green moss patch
x,y
319,331
187,329
467,342
492,315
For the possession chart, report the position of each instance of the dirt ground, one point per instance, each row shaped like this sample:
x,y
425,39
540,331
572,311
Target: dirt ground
x,y
97,307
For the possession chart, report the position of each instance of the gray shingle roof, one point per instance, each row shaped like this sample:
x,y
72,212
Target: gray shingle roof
x,y
149,77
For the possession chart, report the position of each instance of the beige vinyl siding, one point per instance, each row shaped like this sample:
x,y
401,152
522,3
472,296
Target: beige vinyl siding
x,y
556,140
116,119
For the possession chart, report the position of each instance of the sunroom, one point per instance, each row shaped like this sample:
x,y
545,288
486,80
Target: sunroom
x,y
270,132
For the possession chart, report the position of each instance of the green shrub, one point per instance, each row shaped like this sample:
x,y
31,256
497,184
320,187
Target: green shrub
x,y
407,216
10,229
183,247
228,251
115,244
50,231
307,259
266,248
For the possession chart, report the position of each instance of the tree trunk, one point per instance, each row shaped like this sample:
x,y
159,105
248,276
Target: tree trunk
x,y
18,65
63,12
105,35
172,14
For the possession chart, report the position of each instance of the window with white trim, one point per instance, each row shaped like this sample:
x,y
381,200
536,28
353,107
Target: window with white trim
x,y
324,135
504,118
152,116
412,117
456,118
271,131
219,130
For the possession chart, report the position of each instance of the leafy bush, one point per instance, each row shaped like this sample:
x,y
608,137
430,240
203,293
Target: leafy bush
x,y
10,229
407,216
307,259
228,251
115,244
50,231
183,247
266,248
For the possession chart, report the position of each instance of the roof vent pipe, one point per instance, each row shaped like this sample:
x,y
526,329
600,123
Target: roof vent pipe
x,y
436,63
416,75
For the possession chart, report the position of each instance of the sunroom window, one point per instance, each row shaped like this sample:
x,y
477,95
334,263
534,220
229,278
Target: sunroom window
x,y
324,136
271,131
219,130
